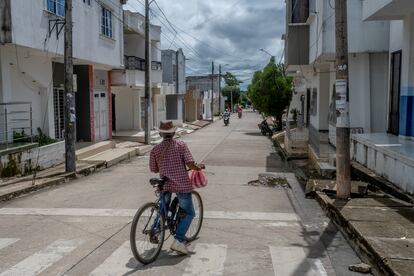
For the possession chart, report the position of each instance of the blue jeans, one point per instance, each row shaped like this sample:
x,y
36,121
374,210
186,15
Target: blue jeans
x,y
185,201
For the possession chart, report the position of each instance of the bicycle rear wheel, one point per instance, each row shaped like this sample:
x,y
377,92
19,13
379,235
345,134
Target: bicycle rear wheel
x,y
195,226
147,233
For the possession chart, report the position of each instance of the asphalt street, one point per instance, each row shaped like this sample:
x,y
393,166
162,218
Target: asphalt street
x,y
82,227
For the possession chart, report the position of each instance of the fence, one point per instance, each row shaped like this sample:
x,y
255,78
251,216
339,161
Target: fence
x,y
16,123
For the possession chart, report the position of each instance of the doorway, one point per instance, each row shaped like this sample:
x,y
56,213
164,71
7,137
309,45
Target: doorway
x,y
100,106
113,113
395,89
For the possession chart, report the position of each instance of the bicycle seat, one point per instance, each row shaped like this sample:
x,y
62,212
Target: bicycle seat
x,y
160,182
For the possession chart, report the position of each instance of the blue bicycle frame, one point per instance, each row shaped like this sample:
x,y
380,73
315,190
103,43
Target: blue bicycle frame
x,y
164,206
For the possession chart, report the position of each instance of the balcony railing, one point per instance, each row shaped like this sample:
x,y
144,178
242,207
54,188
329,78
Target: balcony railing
x,y
137,63
156,65
134,63
16,123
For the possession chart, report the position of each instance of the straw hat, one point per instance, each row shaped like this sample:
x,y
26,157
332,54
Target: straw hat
x,y
167,127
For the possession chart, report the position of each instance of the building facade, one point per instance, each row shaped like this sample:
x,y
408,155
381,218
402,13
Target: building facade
x,y
128,83
173,75
311,61
31,59
389,152
204,89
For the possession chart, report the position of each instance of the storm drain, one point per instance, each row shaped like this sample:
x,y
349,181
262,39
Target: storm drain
x,y
267,180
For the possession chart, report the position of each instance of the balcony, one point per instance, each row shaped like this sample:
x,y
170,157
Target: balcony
x,y
134,73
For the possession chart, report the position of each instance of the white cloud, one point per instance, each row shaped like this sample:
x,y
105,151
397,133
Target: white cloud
x,y
228,32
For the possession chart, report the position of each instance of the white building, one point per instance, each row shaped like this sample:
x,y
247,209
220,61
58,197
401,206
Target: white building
x,y
368,45
173,75
201,87
128,83
31,62
390,151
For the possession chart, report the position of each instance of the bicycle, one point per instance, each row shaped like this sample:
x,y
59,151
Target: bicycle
x,y
152,219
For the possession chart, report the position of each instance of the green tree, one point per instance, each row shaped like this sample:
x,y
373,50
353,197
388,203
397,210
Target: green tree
x,y
271,91
231,89
244,100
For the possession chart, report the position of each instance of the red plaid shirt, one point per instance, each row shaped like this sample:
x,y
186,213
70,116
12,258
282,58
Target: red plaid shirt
x,y
169,159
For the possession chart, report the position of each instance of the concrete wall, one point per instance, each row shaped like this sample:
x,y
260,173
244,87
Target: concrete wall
x,y
26,76
30,29
134,45
379,85
127,108
28,160
386,163
363,36
168,61
407,79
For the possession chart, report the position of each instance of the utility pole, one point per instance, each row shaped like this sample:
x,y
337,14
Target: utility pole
x,y
343,165
231,102
147,77
212,91
219,88
70,113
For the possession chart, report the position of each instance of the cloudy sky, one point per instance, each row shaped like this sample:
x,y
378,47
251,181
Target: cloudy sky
x,y
228,32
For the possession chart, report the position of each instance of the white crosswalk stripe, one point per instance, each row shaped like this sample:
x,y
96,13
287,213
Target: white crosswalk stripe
x,y
208,260
43,259
89,212
6,242
116,263
291,261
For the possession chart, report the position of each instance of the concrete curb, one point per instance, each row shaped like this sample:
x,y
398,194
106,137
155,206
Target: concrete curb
x,y
43,182
379,182
359,243
32,188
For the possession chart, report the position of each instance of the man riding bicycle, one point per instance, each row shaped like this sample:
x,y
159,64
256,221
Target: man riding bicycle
x,y
170,159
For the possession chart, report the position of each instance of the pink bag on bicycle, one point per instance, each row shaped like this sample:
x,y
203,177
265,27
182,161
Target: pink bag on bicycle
x,y
198,179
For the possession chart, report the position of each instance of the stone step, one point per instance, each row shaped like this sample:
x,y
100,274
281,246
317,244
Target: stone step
x,y
94,149
113,156
326,170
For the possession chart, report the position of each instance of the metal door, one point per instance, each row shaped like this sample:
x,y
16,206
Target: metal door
x,y
59,112
394,115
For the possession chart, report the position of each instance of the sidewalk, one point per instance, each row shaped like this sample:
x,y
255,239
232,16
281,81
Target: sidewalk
x,y
380,229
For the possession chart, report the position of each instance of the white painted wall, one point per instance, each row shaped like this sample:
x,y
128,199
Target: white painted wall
x,y
30,29
359,91
27,77
363,36
134,45
379,86
396,35
393,166
42,157
372,6
127,108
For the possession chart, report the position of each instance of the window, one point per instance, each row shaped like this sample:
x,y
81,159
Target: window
x,y
56,6
106,23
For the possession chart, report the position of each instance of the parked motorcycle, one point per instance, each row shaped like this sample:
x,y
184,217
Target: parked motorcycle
x,y
265,128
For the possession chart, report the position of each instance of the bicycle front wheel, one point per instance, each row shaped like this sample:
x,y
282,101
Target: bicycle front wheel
x,y
147,233
195,226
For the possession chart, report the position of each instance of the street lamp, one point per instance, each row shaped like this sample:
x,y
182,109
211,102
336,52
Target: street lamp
x,y
264,51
